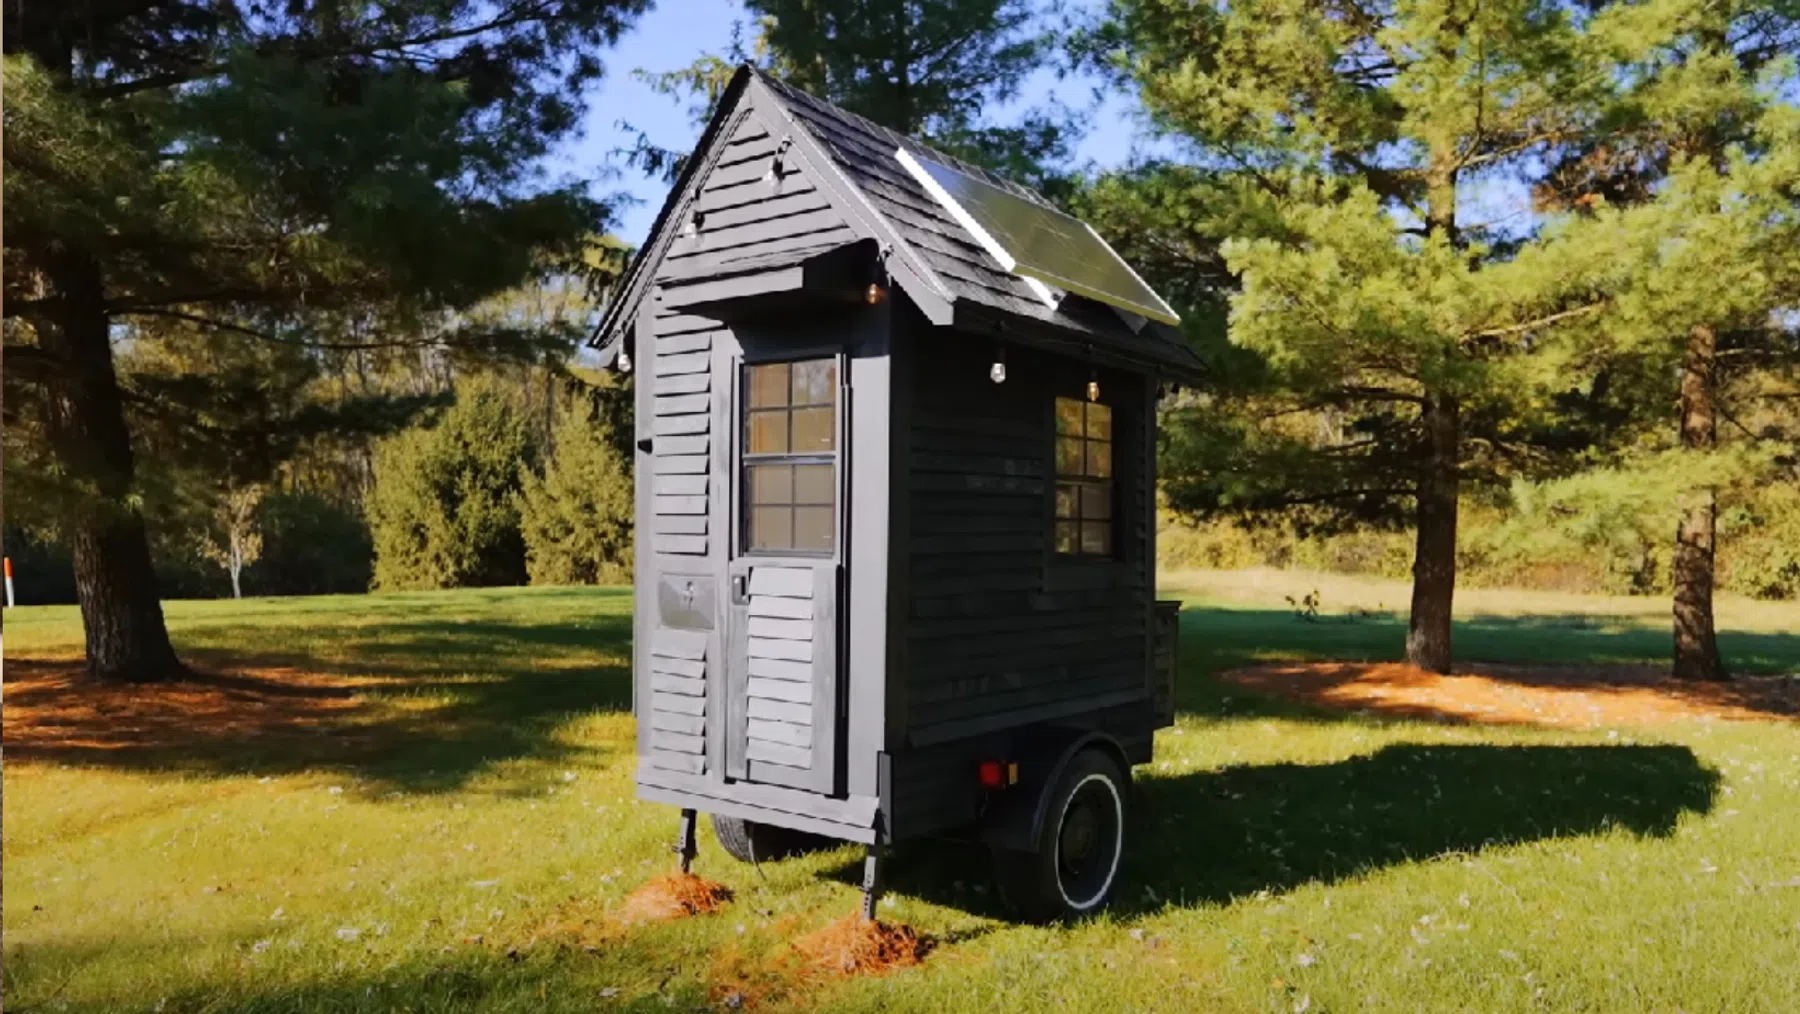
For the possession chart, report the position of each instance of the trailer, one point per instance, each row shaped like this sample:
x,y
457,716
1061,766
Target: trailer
x,y
895,507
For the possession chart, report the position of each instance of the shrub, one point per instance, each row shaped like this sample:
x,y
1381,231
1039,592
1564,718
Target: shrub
x,y
444,512
311,546
1759,545
577,516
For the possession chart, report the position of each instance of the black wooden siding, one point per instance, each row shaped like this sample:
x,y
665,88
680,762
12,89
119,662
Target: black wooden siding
x,y
998,625
749,208
744,211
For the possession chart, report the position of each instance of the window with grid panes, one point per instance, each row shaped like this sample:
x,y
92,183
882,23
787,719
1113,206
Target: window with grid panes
x,y
1084,478
790,456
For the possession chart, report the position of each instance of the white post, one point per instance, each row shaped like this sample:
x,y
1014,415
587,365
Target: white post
x,y
9,588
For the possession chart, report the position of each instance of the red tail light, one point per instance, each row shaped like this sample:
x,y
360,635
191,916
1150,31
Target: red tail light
x,y
993,775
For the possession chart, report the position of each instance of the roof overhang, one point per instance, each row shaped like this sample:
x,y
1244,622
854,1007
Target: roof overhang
x,y
1172,360
809,276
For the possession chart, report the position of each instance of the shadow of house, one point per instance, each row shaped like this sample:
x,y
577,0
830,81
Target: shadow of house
x,y
1214,836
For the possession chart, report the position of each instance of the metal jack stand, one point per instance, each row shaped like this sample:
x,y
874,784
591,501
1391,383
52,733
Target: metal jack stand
x,y
685,846
872,880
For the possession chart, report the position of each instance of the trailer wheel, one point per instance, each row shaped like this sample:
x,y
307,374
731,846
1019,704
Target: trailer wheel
x,y
1079,847
750,842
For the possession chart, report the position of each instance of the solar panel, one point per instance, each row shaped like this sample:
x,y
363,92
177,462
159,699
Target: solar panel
x,y
1041,245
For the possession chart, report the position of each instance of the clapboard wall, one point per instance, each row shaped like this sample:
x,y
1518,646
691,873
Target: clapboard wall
x,y
999,632
758,201
998,626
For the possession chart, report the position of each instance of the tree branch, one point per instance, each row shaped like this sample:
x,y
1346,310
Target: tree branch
x,y
250,332
30,362
1371,394
1513,329
300,51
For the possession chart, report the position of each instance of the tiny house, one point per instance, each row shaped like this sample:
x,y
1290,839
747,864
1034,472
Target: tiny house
x,y
895,423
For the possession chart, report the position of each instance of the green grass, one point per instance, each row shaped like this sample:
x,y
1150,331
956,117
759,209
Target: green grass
x,y
1284,860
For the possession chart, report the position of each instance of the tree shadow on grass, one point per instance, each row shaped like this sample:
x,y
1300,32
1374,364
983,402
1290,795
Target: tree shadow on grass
x,y
1214,836
418,706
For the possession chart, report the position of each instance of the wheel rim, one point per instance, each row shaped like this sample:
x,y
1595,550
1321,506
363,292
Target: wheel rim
x,y
1089,838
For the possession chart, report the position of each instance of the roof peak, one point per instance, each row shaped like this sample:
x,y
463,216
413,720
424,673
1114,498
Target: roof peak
x,y
934,257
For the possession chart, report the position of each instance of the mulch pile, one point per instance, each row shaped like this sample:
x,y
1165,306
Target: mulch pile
x,y
53,714
747,980
585,923
857,946
1570,697
675,896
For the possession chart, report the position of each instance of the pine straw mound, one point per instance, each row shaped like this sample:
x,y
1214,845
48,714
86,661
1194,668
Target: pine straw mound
x,y
857,946
675,896
1569,697
789,974
585,923
52,714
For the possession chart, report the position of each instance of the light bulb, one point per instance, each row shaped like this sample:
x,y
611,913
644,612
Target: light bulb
x,y
997,372
874,294
624,361
1093,390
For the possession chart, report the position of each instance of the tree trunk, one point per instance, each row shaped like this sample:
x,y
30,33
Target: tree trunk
x,y
1434,554
84,422
1696,640
1434,557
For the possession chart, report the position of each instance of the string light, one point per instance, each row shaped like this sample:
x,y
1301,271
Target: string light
x,y
997,372
874,294
624,361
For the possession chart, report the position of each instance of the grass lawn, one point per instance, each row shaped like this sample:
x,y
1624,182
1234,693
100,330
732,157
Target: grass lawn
x,y
442,787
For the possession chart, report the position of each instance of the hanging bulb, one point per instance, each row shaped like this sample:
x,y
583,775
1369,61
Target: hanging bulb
x,y
997,372
874,294
624,361
1093,388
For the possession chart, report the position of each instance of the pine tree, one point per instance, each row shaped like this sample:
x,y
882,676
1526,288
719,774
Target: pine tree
x,y
445,508
929,69
1704,151
577,516
1390,328
242,168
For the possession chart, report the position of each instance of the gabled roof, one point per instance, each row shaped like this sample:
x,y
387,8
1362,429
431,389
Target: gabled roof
x,y
931,256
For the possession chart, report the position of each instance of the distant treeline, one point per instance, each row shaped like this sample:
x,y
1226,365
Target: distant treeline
x,y
508,483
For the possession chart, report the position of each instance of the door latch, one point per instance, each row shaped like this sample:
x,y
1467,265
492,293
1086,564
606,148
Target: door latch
x,y
740,589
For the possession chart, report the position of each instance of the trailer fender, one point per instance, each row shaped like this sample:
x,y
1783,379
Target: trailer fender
x,y
1017,815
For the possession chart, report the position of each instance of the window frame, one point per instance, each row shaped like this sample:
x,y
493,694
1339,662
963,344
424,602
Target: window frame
x,y
745,460
1082,481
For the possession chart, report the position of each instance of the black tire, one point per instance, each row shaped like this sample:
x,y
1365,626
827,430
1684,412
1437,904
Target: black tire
x,y
750,842
1079,850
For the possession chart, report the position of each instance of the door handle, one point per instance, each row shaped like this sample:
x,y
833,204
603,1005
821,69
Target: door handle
x,y
740,589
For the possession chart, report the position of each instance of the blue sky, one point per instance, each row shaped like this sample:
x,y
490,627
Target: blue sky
x,y
677,31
